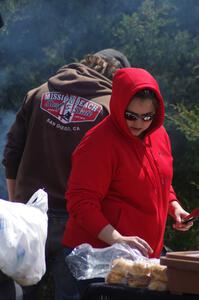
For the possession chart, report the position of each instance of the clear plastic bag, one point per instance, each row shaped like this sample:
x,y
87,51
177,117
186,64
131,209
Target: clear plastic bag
x,y
23,233
86,262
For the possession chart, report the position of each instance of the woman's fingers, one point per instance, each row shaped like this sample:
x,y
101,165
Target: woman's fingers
x,y
141,245
182,227
145,244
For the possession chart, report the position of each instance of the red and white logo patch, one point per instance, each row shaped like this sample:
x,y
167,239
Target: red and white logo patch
x,y
70,108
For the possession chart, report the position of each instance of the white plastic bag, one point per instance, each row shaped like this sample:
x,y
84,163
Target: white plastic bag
x,y
23,233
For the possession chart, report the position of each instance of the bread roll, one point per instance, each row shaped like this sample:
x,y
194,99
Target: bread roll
x,y
119,272
159,272
139,281
113,278
138,274
121,266
157,285
140,268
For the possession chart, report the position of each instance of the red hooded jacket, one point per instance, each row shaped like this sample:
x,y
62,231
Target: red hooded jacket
x,y
120,179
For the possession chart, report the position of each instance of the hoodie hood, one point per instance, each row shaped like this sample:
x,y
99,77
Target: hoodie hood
x,y
110,53
77,79
126,83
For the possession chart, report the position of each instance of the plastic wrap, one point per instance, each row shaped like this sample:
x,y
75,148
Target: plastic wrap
x,y
86,262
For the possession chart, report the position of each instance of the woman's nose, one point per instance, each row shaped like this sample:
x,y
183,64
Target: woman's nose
x,y
138,123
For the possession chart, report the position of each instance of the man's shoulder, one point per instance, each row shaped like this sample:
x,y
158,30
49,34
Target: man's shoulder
x,y
37,91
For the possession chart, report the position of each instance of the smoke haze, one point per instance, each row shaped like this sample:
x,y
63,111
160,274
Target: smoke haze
x,y
6,119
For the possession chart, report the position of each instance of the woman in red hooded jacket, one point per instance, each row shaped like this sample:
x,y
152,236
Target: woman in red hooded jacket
x,y
120,187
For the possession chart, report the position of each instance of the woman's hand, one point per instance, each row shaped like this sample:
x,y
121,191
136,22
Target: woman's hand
x,y
110,236
178,213
136,242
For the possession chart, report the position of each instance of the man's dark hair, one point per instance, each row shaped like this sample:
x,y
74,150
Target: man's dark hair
x,y
101,65
106,61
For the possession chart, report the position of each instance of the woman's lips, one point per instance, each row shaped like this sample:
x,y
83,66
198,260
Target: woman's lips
x,y
135,130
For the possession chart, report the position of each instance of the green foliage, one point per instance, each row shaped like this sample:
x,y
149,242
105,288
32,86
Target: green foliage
x,y
187,121
153,40
143,34
182,241
155,37
184,125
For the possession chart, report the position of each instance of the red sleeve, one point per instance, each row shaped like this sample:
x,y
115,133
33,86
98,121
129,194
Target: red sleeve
x,y
89,182
172,194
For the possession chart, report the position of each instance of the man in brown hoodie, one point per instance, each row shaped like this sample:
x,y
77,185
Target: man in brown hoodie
x,y
50,123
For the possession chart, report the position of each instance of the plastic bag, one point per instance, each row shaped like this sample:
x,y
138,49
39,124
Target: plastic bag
x,y
23,233
86,262
144,273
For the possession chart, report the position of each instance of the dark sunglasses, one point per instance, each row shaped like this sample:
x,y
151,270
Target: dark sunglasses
x,y
133,116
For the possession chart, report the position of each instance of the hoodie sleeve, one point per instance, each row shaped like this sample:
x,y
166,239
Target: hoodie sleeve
x,y
16,139
88,184
172,194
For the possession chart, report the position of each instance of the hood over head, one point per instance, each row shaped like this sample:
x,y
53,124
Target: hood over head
x,y
110,53
126,83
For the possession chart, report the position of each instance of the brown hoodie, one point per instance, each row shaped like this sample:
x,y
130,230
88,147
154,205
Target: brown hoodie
x,y
49,125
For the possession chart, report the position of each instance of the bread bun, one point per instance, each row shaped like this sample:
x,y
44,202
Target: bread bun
x,y
157,285
121,266
113,278
138,274
159,272
141,281
119,271
140,268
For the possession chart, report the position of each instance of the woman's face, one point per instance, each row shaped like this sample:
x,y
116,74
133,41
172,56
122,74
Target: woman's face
x,y
139,115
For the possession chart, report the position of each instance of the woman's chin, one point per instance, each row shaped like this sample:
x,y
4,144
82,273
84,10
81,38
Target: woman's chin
x,y
136,132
